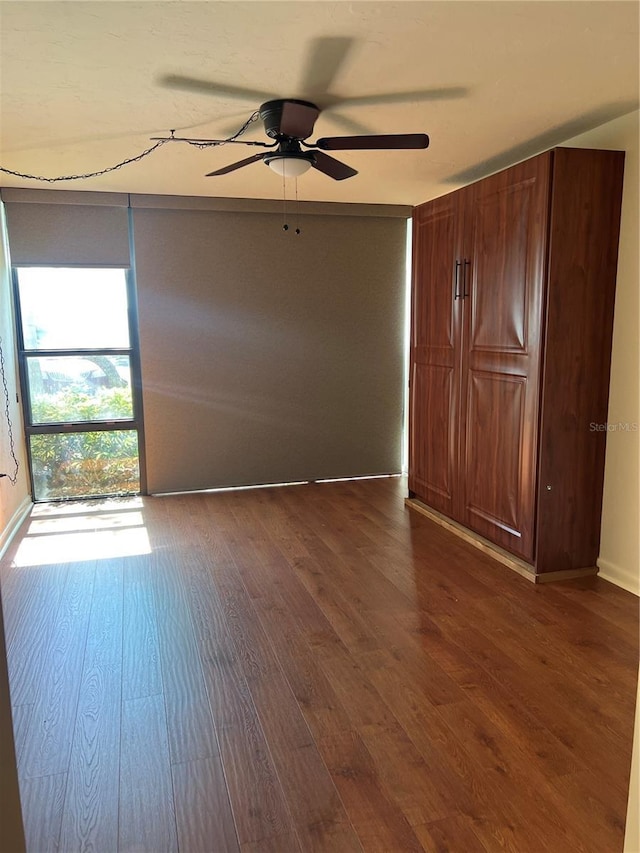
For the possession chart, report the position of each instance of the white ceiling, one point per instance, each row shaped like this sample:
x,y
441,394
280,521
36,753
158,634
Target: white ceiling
x,y
81,88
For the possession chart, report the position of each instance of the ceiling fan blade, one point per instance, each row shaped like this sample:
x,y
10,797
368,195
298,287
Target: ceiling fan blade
x,y
298,119
226,169
403,97
210,87
385,141
332,167
324,61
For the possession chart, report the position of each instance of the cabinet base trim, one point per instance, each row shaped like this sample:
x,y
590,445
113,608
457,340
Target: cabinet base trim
x,y
526,570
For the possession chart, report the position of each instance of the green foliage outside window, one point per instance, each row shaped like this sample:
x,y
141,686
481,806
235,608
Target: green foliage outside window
x,y
78,464
71,405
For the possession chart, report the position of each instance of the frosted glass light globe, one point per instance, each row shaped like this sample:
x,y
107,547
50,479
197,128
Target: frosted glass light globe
x,y
290,167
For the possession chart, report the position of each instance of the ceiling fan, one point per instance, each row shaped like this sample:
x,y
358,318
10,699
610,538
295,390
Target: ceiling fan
x,y
290,121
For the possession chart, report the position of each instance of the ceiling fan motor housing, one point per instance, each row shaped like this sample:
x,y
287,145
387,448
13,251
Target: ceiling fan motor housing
x,y
271,115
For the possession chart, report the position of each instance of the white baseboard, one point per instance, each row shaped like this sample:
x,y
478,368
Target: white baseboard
x,y
14,523
619,576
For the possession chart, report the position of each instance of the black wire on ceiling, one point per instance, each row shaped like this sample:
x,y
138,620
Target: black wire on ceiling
x,y
205,144
13,478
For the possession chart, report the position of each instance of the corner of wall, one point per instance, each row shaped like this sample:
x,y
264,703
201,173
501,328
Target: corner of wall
x,y
622,576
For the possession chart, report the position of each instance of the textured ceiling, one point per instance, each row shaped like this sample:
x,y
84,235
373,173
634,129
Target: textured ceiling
x,y
83,85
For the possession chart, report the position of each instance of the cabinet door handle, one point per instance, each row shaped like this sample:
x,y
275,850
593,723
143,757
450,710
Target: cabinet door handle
x,y
465,292
456,281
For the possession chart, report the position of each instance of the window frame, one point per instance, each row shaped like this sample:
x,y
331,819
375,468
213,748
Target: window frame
x,y
69,427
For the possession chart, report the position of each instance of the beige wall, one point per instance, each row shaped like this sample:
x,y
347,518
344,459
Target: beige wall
x,y
13,501
619,559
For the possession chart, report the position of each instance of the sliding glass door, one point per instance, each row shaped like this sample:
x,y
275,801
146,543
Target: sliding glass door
x,y
80,374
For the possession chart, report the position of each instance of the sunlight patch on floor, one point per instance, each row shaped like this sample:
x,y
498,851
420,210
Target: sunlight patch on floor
x,y
81,531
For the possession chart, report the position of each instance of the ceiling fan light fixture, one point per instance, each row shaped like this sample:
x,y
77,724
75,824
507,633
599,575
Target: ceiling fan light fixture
x,y
289,166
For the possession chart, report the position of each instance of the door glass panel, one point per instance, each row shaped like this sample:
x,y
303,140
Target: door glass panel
x,y
72,389
85,464
66,308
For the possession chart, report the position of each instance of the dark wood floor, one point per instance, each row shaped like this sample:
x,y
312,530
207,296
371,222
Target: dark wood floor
x,y
310,668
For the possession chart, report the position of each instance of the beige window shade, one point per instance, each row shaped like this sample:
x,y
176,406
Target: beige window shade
x,y
266,356
48,227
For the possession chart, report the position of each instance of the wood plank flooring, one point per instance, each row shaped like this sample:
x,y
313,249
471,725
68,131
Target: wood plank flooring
x,y
311,668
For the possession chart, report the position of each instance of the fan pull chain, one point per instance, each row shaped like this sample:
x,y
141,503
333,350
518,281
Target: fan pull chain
x,y
285,224
297,209
285,227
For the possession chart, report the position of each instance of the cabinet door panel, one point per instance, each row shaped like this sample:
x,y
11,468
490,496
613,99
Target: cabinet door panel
x,y
506,245
434,321
435,355
495,415
434,418
501,252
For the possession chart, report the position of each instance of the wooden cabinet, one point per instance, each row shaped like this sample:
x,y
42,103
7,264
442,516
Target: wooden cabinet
x,y
512,315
